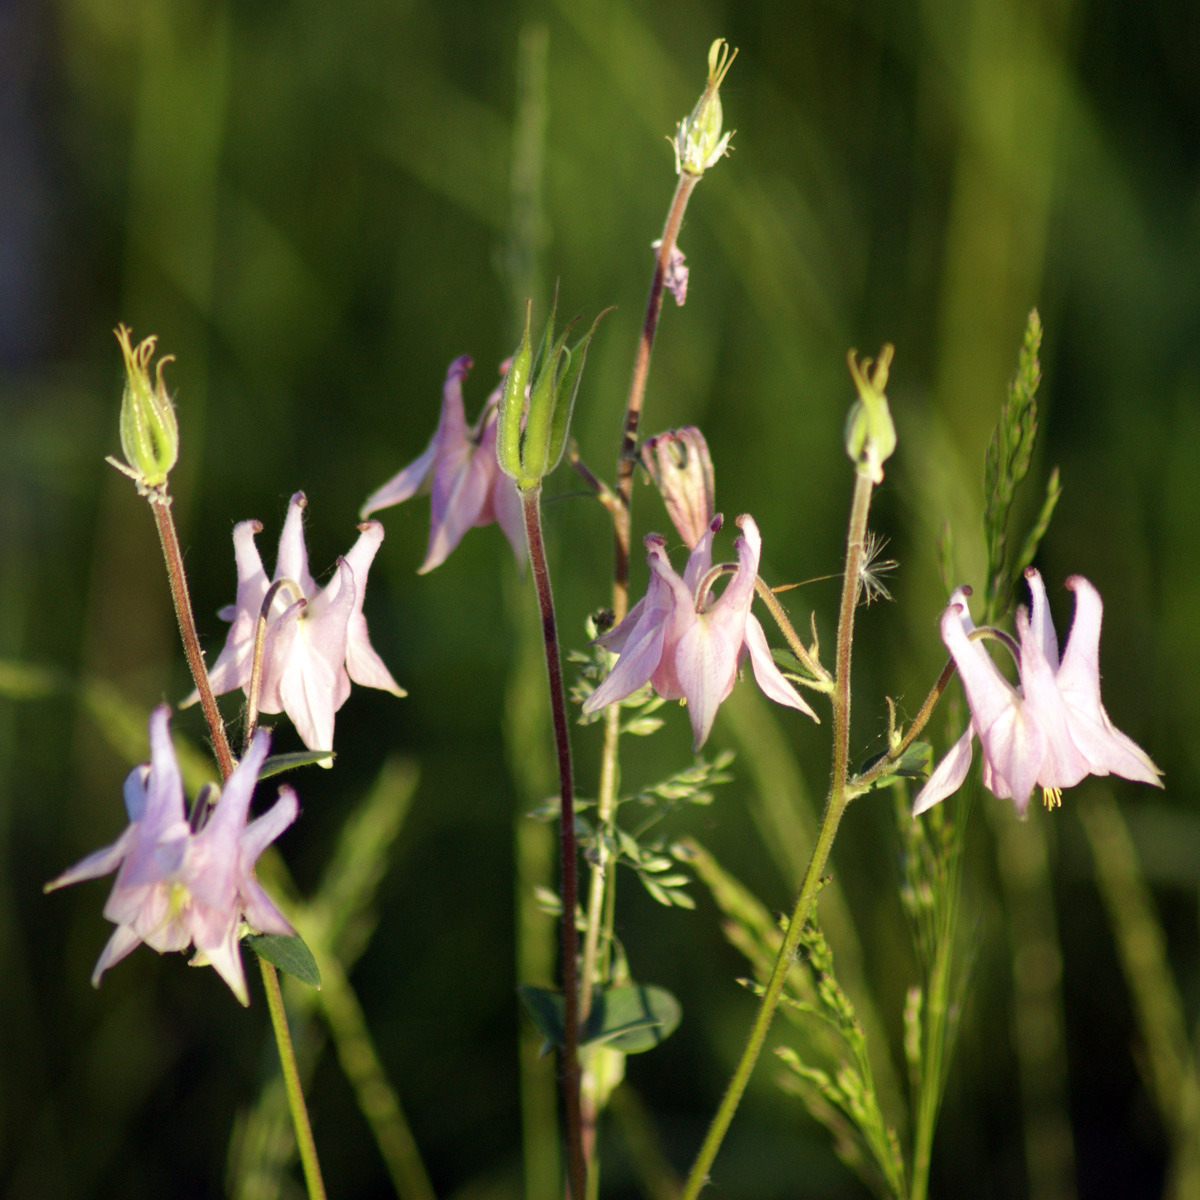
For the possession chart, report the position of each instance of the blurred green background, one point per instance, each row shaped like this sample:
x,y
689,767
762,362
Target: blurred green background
x,y
311,205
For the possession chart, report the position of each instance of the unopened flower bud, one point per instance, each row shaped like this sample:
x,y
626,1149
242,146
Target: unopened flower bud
x,y
699,141
870,434
679,463
149,431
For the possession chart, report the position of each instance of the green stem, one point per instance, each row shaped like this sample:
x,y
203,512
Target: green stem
x,y
834,808
933,1057
531,505
291,1081
160,504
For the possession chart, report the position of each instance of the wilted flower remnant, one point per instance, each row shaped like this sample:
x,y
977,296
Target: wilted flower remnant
x,y
1052,730
316,638
679,463
459,468
689,646
177,887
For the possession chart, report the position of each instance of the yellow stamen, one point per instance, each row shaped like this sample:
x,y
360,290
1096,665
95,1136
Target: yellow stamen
x,y
1052,797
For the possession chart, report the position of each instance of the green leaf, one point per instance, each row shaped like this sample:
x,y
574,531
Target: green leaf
x,y
914,763
278,763
289,954
632,1017
546,1009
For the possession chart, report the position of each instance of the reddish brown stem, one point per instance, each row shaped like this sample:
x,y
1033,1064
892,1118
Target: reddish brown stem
x,y
569,885
637,392
161,507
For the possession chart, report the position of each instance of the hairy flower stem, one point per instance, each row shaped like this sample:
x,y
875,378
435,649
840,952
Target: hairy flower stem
x,y
569,889
160,504
834,808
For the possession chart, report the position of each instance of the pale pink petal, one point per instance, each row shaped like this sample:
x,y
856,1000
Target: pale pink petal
x,y
1107,749
262,831
705,665
699,561
292,560
740,593
503,500
1062,765
225,958
277,652
102,862
1016,747
680,608
948,775
119,945
616,637
260,911
1040,624
405,484
639,659
989,694
770,679
461,487
362,663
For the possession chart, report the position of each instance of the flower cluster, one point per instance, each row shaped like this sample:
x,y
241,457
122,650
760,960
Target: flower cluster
x,y
316,638
176,886
688,645
460,470
1052,730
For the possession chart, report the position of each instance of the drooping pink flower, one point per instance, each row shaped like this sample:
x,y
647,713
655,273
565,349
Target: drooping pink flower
x,y
689,646
176,887
1052,730
460,470
316,639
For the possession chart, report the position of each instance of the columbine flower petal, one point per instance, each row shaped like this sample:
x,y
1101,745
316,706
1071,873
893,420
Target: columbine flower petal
x,y
316,641
1050,732
176,887
687,647
460,470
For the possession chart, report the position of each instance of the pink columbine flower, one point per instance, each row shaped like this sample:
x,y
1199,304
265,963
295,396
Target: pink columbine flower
x,y
460,470
689,646
176,887
317,640
1052,730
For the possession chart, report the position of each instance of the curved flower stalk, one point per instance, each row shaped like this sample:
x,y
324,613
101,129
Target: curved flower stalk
x,y
176,887
1052,730
460,470
689,646
316,638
